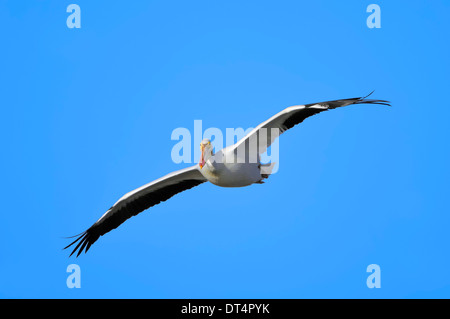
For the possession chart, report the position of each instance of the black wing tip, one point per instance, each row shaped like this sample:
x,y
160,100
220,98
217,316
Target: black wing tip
x,y
367,95
378,102
364,100
345,102
86,240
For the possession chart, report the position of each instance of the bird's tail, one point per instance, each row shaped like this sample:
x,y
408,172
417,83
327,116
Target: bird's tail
x,y
266,169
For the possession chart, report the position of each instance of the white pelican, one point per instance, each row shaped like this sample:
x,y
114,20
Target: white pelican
x,y
233,166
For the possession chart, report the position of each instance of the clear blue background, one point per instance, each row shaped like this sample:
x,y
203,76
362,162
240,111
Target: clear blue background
x,y
87,115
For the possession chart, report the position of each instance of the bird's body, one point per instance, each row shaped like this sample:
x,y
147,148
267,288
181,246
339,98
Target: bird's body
x,y
227,169
237,165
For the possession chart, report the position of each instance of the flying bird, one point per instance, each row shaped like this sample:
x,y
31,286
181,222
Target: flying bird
x,y
237,165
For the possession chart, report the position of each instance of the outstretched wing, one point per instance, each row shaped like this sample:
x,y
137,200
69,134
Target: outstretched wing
x,y
137,201
267,132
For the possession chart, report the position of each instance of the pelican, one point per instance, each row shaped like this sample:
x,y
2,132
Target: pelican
x,y
237,165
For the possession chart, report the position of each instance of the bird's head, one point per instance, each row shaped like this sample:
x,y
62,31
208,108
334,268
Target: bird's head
x,y
207,150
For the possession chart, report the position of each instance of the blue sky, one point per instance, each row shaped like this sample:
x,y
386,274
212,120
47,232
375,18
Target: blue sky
x,y
87,115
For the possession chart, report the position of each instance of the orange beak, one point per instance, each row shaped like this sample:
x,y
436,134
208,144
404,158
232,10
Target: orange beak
x,y
202,160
